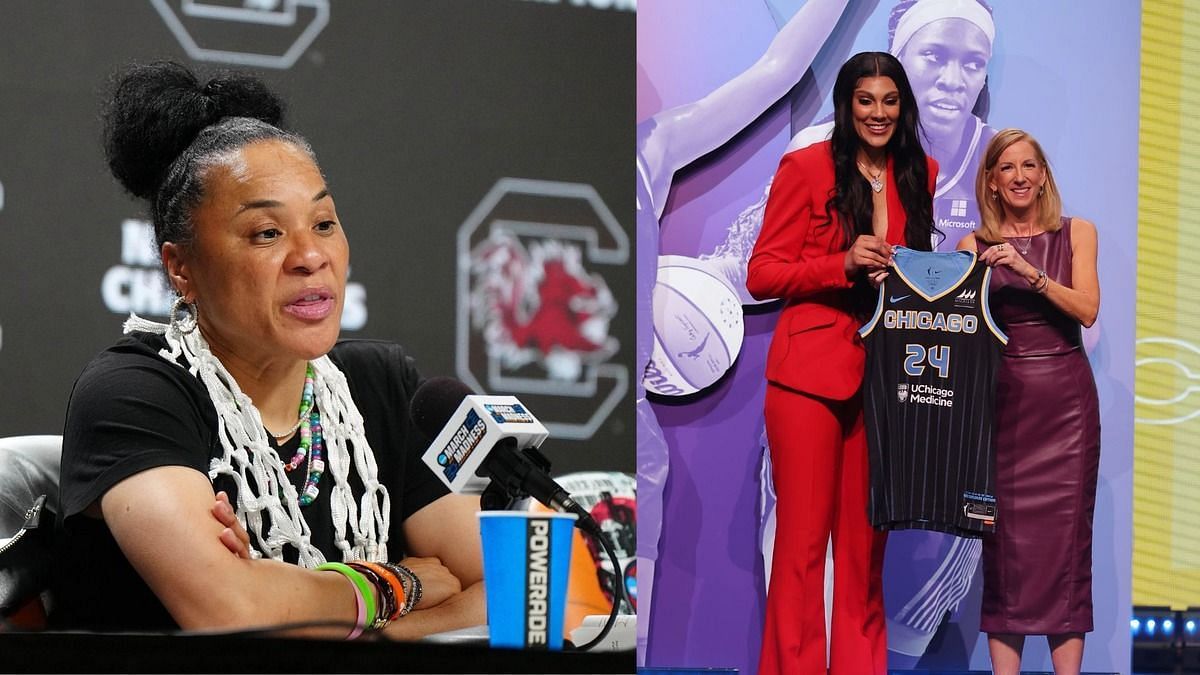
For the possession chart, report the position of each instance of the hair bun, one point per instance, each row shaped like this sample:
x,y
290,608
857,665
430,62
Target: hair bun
x,y
157,109
237,95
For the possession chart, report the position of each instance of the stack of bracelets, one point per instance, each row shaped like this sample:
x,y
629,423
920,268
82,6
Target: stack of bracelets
x,y
396,586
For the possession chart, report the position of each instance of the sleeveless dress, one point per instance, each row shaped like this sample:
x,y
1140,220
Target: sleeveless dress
x,y
1038,563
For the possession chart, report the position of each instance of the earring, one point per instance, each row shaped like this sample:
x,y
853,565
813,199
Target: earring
x,y
995,195
183,322
1041,190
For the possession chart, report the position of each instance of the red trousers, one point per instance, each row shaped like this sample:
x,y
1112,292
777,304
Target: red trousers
x,y
819,464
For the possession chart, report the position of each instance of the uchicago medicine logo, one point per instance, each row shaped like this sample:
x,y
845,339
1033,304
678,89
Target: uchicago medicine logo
x,y
263,33
534,310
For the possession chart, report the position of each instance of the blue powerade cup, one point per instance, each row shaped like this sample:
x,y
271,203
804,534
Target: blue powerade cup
x,y
526,564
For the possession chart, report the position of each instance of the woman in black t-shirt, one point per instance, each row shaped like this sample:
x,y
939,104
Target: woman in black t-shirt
x,y
245,393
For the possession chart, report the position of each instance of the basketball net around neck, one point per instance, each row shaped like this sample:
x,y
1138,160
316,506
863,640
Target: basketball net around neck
x,y
263,486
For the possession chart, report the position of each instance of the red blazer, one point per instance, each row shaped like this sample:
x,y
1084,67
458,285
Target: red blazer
x,y
816,348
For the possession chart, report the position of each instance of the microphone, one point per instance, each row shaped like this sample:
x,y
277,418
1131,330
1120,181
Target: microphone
x,y
479,439
484,443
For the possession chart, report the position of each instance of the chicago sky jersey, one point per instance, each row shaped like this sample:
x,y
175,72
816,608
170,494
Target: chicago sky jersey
x,y
929,392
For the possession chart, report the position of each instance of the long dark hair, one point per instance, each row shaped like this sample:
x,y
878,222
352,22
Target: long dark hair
x,y
851,197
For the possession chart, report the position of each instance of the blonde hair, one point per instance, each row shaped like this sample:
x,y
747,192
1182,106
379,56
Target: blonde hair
x,y
991,208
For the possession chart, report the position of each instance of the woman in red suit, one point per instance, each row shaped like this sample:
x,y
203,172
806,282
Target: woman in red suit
x,y
835,211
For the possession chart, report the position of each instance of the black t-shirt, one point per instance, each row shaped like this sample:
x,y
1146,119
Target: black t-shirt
x,y
132,410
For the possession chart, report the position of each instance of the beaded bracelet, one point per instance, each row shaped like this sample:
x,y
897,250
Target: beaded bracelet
x,y
399,597
411,588
414,585
387,596
364,593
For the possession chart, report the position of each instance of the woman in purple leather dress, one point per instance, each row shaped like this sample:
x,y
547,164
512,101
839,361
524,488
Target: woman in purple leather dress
x,y
1038,564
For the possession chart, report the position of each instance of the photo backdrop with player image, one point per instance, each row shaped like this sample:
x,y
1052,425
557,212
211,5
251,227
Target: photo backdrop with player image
x,y
760,84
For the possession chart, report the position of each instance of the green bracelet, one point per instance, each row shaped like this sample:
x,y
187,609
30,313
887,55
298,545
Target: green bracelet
x,y
360,582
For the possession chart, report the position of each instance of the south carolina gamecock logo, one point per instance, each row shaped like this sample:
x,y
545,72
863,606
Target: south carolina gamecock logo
x,y
540,305
535,313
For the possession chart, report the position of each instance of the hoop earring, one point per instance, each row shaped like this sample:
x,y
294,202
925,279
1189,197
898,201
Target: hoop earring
x,y
183,322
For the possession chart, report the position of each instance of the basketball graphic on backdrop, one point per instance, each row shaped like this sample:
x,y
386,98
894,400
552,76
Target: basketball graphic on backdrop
x,y
697,327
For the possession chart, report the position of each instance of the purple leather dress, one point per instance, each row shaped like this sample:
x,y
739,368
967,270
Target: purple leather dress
x,y
1038,563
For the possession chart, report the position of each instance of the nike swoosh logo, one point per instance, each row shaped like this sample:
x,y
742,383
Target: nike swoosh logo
x,y
895,299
